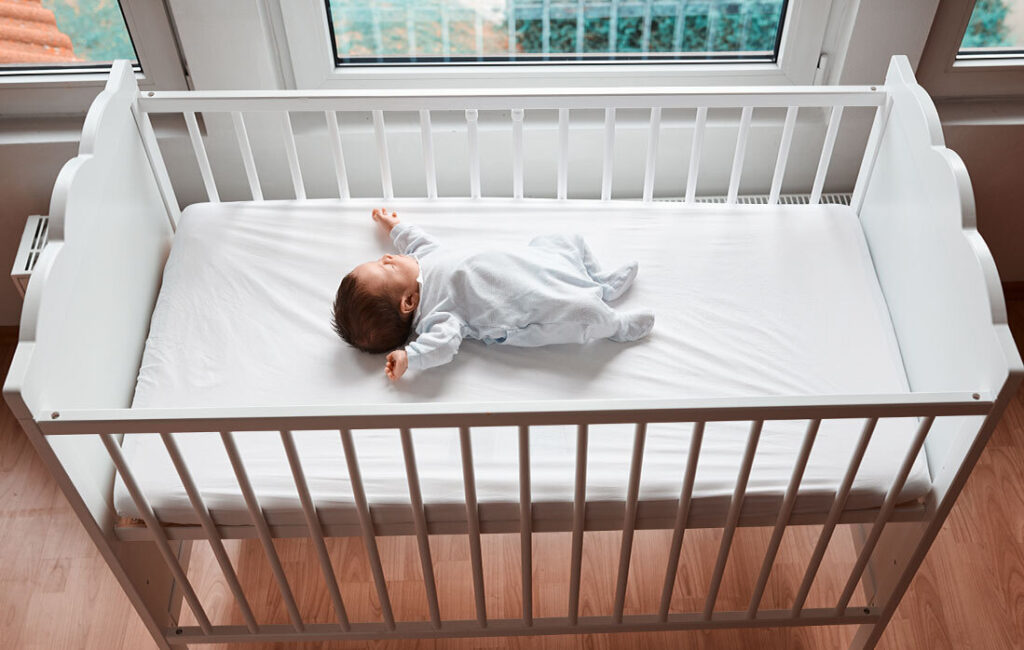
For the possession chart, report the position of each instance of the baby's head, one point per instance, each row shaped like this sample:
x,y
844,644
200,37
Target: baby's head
x,y
376,301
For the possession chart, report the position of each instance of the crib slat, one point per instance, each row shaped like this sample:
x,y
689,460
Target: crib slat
x,y
834,513
156,161
420,522
871,149
212,534
563,152
652,153
525,525
382,154
784,513
293,157
339,157
247,160
427,138
156,530
609,150
780,163
200,150
473,525
739,154
733,518
262,530
682,515
629,520
517,149
316,533
826,154
578,519
474,152
884,513
695,153
355,477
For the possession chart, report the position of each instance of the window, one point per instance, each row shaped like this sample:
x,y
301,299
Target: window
x,y
503,43
975,49
54,54
482,31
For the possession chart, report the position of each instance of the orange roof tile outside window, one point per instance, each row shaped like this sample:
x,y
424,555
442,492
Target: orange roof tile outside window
x,y
29,34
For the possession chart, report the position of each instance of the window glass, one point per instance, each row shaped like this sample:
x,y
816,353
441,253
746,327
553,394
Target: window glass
x,y
62,33
533,31
996,28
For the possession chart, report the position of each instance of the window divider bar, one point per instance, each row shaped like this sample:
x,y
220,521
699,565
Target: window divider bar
x,y
682,515
210,528
366,527
735,506
340,172
629,519
785,511
156,530
420,523
316,533
262,529
473,524
201,158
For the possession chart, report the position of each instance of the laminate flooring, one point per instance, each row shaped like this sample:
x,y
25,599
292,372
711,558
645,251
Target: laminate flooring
x,y
56,591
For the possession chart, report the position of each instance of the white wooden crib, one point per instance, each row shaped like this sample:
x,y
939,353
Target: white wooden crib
x,y
114,214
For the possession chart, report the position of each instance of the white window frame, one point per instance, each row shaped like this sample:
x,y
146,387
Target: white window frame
x,y
69,91
945,77
307,53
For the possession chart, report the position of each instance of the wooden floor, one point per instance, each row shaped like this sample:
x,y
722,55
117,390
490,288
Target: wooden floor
x,y
56,592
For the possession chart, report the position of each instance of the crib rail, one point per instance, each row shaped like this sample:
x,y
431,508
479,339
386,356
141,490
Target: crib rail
x,y
926,407
512,107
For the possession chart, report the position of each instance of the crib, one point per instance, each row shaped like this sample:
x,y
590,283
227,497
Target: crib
x,y
114,216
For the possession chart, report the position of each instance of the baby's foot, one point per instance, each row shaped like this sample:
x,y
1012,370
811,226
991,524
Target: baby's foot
x,y
617,282
634,325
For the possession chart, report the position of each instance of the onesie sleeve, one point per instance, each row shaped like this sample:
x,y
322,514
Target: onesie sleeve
x,y
442,335
412,240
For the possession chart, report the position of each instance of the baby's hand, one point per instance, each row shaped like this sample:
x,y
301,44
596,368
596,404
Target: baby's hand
x,y
384,220
398,363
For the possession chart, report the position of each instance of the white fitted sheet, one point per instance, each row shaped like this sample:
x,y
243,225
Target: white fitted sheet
x,y
750,301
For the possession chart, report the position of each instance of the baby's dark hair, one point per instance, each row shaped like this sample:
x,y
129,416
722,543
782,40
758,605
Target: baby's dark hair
x,y
367,321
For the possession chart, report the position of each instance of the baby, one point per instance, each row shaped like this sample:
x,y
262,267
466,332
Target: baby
x,y
551,291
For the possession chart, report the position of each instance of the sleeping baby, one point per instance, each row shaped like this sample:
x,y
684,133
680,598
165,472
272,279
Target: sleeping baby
x,y
551,291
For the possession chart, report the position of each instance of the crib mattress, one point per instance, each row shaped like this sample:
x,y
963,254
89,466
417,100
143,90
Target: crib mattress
x,y
750,301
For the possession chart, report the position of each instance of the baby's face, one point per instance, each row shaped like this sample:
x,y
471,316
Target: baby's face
x,y
392,275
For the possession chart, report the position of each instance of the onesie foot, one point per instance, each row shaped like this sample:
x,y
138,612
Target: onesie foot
x,y
617,282
633,326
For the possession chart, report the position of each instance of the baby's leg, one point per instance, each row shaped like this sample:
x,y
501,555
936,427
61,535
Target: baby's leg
x,y
613,283
588,322
633,325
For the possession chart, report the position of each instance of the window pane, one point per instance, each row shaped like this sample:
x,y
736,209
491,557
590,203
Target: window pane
x,y
996,28
462,31
62,33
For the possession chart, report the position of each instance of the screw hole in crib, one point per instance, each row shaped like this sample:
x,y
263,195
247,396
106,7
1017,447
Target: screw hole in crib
x,y
54,415
976,396
178,631
867,611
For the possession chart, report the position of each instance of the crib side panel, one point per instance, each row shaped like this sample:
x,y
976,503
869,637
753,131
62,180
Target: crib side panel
x,y
935,271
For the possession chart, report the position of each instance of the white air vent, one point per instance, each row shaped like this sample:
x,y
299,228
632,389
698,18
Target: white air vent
x,y
32,241
784,199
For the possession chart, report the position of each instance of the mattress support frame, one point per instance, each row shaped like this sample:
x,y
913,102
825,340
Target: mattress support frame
x,y
963,367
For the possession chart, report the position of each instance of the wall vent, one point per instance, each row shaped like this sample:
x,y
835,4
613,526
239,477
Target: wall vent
x,y
33,239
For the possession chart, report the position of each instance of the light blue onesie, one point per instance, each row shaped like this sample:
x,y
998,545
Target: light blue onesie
x,y
552,291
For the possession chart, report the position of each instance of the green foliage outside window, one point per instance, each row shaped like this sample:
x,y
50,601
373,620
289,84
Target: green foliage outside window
x,y
987,27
